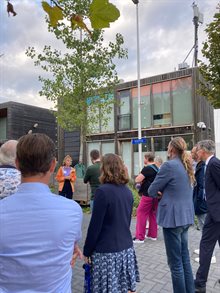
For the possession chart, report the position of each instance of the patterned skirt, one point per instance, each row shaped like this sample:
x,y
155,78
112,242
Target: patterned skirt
x,y
114,272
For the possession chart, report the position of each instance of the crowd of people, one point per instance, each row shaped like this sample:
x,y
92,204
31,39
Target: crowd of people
x,y
40,231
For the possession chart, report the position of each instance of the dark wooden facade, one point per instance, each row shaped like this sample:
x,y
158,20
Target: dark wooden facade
x,y
21,118
69,144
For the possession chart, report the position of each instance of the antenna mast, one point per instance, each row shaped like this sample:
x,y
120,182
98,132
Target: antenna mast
x,y
197,19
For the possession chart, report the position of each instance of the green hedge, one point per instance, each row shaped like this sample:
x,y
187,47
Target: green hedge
x,y
136,197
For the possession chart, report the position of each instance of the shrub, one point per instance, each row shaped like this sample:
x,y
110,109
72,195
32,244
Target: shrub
x,y
135,196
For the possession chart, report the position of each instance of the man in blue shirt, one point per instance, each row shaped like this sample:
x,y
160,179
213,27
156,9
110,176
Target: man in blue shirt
x,y
38,229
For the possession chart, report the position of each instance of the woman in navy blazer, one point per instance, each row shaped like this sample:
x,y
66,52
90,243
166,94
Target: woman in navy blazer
x,y
176,212
109,245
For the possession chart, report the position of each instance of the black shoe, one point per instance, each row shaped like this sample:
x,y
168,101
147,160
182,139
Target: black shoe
x,y
200,289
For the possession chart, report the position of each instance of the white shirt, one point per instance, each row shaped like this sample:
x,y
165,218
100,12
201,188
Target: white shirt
x,y
208,159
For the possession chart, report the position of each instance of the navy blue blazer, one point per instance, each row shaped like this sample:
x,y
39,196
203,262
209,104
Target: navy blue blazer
x,y
212,188
109,228
176,206
199,199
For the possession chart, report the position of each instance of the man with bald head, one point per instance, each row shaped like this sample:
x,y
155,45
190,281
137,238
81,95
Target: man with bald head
x,y
10,177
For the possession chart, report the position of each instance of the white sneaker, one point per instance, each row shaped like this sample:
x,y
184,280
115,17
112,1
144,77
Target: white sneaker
x,y
196,251
135,240
213,260
151,238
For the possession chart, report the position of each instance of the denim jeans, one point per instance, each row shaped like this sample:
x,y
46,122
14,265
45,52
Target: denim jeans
x,y
176,242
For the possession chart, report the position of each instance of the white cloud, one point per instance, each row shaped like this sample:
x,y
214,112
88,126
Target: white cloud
x,y
166,37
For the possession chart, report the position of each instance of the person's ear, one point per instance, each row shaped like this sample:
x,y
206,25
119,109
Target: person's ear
x,y
53,165
17,164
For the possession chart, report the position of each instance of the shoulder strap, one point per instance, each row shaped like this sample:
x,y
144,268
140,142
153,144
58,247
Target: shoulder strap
x,y
154,167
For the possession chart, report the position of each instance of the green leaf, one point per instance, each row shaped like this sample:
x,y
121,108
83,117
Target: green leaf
x,y
55,13
102,13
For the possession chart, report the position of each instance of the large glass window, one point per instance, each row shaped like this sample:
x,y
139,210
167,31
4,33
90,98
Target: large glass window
x,y
93,114
146,147
108,147
93,117
101,117
145,107
182,101
107,123
161,103
124,118
126,155
160,146
92,146
189,140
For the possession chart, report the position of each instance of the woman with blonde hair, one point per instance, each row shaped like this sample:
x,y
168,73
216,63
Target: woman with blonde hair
x,y
174,183
66,176
109,245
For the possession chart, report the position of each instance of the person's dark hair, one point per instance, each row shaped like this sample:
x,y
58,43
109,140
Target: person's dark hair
x,y
113,170
149,156
35,153
94,154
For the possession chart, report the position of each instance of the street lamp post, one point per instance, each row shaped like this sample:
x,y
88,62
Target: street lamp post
x,y
136,2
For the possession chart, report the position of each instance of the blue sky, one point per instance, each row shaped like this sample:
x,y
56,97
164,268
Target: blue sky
x,y
166,37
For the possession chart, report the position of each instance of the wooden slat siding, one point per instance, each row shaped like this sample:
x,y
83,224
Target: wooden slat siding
x,y
72,145
21,118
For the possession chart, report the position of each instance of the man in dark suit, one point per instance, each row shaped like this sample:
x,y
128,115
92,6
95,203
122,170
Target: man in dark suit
x,y
211,229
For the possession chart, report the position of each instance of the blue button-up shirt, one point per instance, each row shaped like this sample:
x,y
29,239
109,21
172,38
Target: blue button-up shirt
x,y
38,230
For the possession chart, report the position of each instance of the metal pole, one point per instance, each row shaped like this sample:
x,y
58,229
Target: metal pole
x,y
196,24
139,90
195,20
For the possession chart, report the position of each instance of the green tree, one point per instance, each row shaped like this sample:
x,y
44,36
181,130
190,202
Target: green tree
x,y
80,77
211,70
100,13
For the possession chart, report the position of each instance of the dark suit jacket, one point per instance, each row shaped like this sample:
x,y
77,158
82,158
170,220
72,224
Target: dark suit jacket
x,y
199,199
212,188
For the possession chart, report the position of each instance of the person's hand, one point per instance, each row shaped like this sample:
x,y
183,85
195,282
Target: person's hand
x,y
159,195
87,259
77,253
67,177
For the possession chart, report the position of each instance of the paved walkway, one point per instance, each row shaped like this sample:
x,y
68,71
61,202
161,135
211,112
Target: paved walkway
x,y
154,272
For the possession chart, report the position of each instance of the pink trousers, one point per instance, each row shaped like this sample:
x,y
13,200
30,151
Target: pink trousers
x,y
146,210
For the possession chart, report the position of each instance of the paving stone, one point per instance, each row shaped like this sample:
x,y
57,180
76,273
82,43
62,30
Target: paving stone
x,y
152,263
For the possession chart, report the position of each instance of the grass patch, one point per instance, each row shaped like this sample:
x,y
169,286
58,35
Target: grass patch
x,y
86,209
